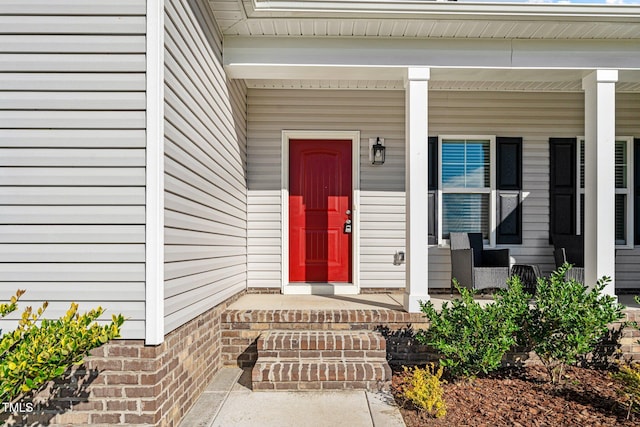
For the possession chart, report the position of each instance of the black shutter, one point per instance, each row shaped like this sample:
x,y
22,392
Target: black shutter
x,y
636,191
433,187
562,186
509,186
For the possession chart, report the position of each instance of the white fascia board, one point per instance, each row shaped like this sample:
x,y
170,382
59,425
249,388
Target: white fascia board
x,y
587,54
360,52
260,57
154,227
441,10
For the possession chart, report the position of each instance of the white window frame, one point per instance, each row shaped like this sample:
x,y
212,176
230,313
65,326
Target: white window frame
x,y
628,191
491,190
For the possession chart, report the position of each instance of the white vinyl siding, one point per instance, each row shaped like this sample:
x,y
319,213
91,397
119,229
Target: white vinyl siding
x,y
72,156
533,116
205,163
628,123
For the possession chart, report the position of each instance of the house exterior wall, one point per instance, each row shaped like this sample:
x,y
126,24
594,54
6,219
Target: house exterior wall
x,y
628,124
533,116
72,156
205,168
374,113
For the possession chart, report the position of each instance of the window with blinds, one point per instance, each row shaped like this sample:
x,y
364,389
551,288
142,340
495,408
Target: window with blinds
x,y
466,171
623,179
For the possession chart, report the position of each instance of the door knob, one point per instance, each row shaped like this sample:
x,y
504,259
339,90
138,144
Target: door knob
x,y
348,212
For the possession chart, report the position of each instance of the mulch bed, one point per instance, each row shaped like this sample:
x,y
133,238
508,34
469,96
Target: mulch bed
x,y
524,397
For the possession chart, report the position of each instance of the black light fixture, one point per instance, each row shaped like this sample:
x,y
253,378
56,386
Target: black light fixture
x,y
378,153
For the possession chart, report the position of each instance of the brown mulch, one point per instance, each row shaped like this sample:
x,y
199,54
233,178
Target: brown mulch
x,y
524,397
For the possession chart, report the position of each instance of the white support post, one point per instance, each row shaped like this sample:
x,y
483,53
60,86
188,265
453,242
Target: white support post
x,y
600,130
416,187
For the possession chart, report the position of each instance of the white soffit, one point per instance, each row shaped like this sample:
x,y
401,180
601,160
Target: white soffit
x,y
425,19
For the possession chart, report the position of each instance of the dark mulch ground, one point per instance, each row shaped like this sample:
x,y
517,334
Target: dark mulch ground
x,y
524,397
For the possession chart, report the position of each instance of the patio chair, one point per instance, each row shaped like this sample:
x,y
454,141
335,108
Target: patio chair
x,y
569,248
475,267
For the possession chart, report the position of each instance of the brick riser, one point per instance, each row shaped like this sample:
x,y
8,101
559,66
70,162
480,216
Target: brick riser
x,y
323,341
314,360
336,375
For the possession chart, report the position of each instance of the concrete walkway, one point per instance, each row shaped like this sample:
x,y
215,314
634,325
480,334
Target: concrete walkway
x,y
229,402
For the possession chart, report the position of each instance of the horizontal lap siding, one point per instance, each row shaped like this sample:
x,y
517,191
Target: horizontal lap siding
x,y
533,116
628,124
72,155
373,113
205,162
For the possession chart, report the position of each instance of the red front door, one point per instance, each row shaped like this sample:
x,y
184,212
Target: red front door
x,y
319,206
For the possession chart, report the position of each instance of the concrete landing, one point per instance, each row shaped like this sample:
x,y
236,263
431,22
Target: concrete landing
x,y
228,401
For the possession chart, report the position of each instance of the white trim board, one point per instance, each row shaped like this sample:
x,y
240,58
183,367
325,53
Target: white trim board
x,y
302,288
268,57
154,228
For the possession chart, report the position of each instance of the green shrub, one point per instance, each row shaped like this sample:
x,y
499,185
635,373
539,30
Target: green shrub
x,y
567,320
39,350
423,388
629,377
635,324
471,338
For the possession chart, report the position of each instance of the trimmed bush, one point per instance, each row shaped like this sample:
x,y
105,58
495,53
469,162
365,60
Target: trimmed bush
x,y
629,377
471,338
567,320
40,350
423,388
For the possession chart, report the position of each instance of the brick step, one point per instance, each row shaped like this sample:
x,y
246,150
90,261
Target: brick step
x,y
323,341
317,360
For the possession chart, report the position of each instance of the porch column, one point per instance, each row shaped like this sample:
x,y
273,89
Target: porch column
x,y
600,130
416,187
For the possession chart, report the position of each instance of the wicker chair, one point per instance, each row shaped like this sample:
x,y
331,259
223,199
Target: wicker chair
x,y
569,248
475,267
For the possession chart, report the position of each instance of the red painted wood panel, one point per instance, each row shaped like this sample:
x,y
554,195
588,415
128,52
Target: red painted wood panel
x,y
319,197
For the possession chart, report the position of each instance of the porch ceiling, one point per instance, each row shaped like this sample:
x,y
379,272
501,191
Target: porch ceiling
x,y
425,19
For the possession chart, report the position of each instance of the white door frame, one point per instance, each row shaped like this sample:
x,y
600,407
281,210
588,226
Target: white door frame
x,y
313,288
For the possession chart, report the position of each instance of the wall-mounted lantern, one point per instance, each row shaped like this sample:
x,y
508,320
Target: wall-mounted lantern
x,y
378,149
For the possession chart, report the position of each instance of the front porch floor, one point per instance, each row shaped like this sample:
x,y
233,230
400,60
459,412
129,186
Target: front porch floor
x,y
386,301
